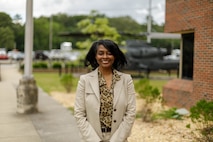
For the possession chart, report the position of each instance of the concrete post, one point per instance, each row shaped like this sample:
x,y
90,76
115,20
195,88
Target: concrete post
x,y
27,91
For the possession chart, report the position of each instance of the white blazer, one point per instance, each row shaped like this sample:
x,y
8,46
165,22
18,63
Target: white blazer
x,y
87,107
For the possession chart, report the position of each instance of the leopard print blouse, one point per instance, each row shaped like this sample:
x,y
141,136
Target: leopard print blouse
x,y
106,99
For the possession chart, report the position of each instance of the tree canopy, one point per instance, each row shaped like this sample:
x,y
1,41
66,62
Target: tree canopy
x,y
12,31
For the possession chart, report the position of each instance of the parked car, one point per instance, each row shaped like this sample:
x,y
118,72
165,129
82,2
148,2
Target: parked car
x,y
15,55
71,56
56,54
3,54
40,55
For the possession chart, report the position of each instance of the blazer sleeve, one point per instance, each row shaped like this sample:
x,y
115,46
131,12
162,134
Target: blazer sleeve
x,y
124,129
87,131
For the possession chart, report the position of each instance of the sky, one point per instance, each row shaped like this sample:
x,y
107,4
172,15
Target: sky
x,y
137,9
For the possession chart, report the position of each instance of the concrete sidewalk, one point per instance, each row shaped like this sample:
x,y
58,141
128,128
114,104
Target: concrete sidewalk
x,y
53,122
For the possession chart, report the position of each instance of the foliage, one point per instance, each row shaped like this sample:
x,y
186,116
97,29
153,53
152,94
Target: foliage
x,y
168,114
41,32
69,64
126,24
56,65
202,116
7,34
49,82
202,112
6,38
67,82
98,27
146,91
169,44
150,94
18,30
5,19
40,65
13,30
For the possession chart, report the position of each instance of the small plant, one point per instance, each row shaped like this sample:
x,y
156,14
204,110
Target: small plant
x,y
202,116
168,114
150,94
67,82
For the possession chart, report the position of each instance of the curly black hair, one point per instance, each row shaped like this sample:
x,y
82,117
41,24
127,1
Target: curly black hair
x,y
111,46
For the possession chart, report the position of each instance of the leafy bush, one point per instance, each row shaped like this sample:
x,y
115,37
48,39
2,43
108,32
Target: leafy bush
x,y
202,116
168,114
150,94
68,65
40,65
56,65
146,91
67,82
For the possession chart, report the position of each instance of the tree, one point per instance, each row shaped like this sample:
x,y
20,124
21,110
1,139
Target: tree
x,y
6,32
17,19
125,24
41,33
98,27
6,38
18,30
5,20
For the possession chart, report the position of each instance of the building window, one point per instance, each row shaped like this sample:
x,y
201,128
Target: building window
x,y
187,58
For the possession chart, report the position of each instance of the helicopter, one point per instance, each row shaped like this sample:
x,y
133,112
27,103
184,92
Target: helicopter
x,y
143,57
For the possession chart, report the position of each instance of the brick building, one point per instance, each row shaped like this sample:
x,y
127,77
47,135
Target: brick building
x,y
194,20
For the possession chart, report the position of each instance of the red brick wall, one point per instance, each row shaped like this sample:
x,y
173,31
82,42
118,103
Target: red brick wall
x,y
195,16
178,93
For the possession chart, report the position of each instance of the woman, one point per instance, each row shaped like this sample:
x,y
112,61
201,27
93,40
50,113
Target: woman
x,y
105,98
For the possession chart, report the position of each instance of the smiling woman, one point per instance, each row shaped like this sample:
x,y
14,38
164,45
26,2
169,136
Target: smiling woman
x,y
105,103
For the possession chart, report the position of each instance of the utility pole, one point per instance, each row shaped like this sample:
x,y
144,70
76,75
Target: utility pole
x,y
50,33
27,91
149,22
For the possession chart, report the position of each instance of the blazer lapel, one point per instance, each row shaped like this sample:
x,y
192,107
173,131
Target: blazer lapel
x,y
94,83
117,89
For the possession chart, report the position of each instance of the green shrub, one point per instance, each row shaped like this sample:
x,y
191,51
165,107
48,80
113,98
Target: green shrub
x,y
150,94
202,115
168,114
56,65
67,82
146,91
40,65
69,65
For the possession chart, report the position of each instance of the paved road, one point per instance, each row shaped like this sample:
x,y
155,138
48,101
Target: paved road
x,y
53,122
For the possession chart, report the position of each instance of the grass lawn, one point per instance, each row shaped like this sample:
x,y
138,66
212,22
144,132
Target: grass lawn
x,y
158,83
50,82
